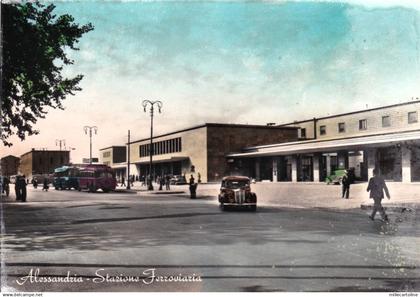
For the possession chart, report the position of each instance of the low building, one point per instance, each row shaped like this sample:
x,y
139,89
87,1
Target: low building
x,y
199,150
9,165
41,162
386,137
115,157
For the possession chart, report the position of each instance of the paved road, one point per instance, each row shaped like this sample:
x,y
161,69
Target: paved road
x,y
274,249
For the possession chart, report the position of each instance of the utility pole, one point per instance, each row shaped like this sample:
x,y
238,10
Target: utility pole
x,y
128,162
60,142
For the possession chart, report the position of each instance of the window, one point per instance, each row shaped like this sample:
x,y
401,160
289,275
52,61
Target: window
x,y
341,127
386,121
162,147
303,132
412,117
363,124
322,130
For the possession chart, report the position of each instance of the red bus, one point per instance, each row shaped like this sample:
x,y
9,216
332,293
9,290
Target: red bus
x,y
96,176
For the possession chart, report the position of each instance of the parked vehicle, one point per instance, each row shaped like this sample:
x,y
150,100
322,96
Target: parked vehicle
x,y
94,177
66,177
178,180
336,177
236,191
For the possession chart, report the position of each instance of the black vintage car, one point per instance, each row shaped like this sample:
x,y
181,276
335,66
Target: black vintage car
x,y
235,191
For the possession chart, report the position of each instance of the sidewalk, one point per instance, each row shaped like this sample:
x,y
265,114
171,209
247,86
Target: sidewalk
x,y
304,195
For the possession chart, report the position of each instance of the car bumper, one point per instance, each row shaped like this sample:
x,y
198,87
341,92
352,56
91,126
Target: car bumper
x,y
237,204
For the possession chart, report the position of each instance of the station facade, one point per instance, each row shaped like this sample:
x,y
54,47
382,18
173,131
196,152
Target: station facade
x,y
199,150
387,137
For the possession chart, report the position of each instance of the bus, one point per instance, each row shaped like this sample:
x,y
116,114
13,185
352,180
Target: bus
x,y
66,177
97,176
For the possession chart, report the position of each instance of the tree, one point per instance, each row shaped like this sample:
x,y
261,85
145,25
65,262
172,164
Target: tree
x,y
35,42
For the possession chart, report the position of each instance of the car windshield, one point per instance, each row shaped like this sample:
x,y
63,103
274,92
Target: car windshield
x,y
236,184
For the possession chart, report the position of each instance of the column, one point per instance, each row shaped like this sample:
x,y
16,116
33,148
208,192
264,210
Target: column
x,y
294,168
315,166
371,160
275,174
406,164
328,164
257,169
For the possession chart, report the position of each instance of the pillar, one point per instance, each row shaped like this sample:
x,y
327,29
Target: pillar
x,y
257,169
328,164
406,164
294,168
371,160
275,174
315,166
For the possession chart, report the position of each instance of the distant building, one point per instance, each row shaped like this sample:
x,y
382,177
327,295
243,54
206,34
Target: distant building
x,y
115,157
37,162
9,165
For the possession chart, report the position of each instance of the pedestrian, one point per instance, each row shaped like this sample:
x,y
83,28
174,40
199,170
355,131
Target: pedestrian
x,y
20,188
377,187
132,180
161,182
17,188
122,181
143,180
345,183
5,185
193,188
23,188
45,186
199,177
168,182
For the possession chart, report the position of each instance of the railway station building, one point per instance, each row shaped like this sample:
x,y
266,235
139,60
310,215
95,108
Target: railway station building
x,y
386,137
200,150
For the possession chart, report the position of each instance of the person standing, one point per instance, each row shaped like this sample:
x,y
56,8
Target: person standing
x,y
168,182
377,187
123,181
345,183
23,189
17,188
45,186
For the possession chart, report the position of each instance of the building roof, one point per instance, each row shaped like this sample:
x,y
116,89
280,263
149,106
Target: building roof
x,y
112,146
349,113
45,151
10,156
221,125
311,146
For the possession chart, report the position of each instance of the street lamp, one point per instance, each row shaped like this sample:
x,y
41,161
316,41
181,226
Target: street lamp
x,y
159,106
90,128
60,142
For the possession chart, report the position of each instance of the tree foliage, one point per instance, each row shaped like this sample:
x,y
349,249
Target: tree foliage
x,y
35,47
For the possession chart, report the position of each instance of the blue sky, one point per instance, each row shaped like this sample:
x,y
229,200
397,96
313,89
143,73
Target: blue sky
x,y
238,62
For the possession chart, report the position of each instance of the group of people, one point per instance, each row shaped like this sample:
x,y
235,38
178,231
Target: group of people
x,y
376,188
130,180
164,180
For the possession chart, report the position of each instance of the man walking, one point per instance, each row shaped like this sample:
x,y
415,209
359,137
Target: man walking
x,y
377,187
345,183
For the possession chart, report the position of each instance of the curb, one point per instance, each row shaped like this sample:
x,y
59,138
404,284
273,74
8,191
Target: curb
x,y
409,207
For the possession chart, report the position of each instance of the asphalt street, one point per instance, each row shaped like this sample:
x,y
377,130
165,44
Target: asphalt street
x,y
149,242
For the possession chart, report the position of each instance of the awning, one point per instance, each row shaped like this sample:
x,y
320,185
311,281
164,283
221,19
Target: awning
x,y
312,146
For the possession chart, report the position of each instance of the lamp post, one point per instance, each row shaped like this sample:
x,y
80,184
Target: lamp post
x,y
90,128
60,142
159,106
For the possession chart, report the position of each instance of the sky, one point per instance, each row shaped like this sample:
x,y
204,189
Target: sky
x,y
246,62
